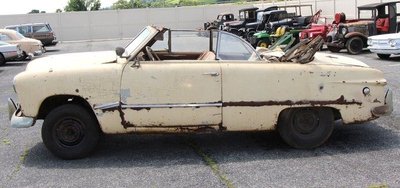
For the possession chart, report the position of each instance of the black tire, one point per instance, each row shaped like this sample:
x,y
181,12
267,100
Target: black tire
x,y
70,132
384,56
306,128
2,60
355,45
263,43
23,57
334,49
249,35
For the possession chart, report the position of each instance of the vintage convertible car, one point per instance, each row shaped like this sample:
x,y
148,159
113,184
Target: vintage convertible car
x,y
192,81
384,45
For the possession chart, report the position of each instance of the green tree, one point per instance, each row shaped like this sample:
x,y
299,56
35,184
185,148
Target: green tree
x,y
82,5
125,4
121,4
137,4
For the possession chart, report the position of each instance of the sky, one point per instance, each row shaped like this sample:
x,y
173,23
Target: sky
x,y
50,6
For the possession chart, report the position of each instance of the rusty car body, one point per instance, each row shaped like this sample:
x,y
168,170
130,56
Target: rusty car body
x,y
373,19
161,83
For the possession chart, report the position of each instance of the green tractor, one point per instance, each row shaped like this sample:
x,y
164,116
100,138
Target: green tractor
x,y
282,36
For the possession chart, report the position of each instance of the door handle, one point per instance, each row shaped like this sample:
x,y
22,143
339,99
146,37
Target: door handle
x,y
211,73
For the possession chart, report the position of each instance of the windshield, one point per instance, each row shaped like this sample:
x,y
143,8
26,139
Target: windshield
x,y
260,16
366,14
241,16
136,42
19,36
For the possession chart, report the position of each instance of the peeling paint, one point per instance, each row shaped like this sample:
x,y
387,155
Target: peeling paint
x,y
340,101
377,101
125,93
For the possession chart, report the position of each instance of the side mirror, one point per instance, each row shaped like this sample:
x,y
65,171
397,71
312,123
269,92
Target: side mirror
x,y
119,51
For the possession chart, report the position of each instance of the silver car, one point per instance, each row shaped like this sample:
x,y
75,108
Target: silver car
x,y
9,52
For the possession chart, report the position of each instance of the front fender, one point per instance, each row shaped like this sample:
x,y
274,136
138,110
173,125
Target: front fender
x,y
355,34
243,30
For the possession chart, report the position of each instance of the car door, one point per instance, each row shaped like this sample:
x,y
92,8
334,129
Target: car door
x,y
169,93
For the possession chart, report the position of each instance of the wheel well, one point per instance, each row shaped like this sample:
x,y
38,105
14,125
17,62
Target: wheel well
x,y
336,112
53,102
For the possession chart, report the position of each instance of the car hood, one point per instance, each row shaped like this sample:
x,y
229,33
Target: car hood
x,y
386,36
233,23
72,61
253,24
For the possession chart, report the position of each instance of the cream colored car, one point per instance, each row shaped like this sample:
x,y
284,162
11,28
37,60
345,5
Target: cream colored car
x,y
192,81
30,47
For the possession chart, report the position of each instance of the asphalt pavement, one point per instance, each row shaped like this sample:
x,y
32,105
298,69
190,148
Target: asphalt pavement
x,y
362,155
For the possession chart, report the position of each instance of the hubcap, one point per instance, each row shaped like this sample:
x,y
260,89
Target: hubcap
x,y
305,121
69,132
263,44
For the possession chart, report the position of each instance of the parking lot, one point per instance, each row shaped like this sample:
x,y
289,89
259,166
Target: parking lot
x,y
359,155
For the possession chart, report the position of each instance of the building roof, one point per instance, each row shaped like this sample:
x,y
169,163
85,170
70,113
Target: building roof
x,y
375,5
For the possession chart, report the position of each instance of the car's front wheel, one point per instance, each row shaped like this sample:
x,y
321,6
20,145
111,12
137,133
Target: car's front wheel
x,y
355,45
384,56
70,132
305,128
23,57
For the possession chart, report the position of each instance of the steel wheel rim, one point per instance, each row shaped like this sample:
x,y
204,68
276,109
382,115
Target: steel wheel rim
x,y
263,44
69,132
306,122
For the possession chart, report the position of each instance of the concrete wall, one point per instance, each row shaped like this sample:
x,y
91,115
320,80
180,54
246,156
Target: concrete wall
x,y
113,24
110,24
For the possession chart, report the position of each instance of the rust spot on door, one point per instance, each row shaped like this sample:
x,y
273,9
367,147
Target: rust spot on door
x,y
341,101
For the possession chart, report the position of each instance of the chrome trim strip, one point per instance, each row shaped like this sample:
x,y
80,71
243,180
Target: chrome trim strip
x,y
172,105
106,106
124,106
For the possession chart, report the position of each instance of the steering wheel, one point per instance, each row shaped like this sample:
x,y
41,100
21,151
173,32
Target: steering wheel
x,y
153,56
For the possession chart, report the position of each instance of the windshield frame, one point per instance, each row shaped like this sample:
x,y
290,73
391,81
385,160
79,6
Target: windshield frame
x,y
19,36
135,42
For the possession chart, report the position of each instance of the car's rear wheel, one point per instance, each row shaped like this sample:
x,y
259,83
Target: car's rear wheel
x,y
2,59
305,128
354,45
384,56
70,132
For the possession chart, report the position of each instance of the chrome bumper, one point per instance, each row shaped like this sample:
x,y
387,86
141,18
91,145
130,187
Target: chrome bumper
x,y
16,120
386,109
